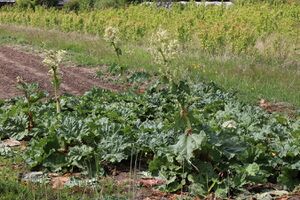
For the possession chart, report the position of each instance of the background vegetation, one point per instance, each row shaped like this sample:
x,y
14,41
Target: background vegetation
x,y
194,135
252,48
215,30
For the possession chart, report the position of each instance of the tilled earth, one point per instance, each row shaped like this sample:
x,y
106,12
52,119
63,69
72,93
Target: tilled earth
x,y
14,63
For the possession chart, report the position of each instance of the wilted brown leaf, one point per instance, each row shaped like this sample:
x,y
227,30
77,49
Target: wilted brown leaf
x,y
150,182
11,142
59,182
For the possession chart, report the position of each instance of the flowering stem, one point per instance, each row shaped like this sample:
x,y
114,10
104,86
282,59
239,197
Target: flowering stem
x,y
163,55
184,115
29,113
116,50
56,88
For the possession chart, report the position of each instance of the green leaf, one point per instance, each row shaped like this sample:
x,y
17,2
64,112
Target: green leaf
x,y
252,169
187,144
79,155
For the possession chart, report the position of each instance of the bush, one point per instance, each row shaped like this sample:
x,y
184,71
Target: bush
x,y
72,5
76,5
274,2
86,4
26,4
102,4
47,3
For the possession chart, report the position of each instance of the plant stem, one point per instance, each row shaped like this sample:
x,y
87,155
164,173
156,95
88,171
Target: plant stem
x,y
29,113
56,88
185,117
163,55
30,120
116,49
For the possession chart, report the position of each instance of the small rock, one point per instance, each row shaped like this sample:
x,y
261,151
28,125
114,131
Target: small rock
x,y
264,196
279,192
53,175
34,177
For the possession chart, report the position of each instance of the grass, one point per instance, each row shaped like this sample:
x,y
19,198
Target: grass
x,y
12,189
252,77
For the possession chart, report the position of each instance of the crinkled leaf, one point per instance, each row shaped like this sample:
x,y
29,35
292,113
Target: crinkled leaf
x,y
187,144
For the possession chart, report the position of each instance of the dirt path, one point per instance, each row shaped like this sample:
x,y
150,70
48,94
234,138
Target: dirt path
x,y
15,63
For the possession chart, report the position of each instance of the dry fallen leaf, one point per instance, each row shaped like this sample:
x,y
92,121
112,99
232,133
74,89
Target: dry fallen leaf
x,y
59,182
280,107
11,142
23,145
150,182
197,198
282,198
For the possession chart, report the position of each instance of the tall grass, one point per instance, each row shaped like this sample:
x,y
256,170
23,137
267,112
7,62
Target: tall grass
x,y
250,47
238,29
252,77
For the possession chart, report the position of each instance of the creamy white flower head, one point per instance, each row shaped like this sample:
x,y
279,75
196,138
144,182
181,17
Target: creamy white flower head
x,y
19,79
53,59
162,47
111,34
49,61
229,124
162,35
60,55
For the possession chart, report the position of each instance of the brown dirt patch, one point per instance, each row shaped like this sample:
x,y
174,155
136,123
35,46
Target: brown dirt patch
x,y
14,63
278,107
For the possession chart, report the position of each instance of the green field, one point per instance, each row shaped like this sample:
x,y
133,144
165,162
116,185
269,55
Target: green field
x,y
252,49
188,115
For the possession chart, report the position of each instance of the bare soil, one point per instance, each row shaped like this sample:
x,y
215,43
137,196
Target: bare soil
x,y
14,63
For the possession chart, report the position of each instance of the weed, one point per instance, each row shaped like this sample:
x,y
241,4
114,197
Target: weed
x,y
111,35
53,60
32,95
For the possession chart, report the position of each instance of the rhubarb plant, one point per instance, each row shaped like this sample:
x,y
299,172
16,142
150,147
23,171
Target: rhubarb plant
x,y
53,60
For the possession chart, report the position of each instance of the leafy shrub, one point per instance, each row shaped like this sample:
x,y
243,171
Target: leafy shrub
x,y
26,4
73,5
47,3
86,4
275,2
102,4
214,30
227,146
